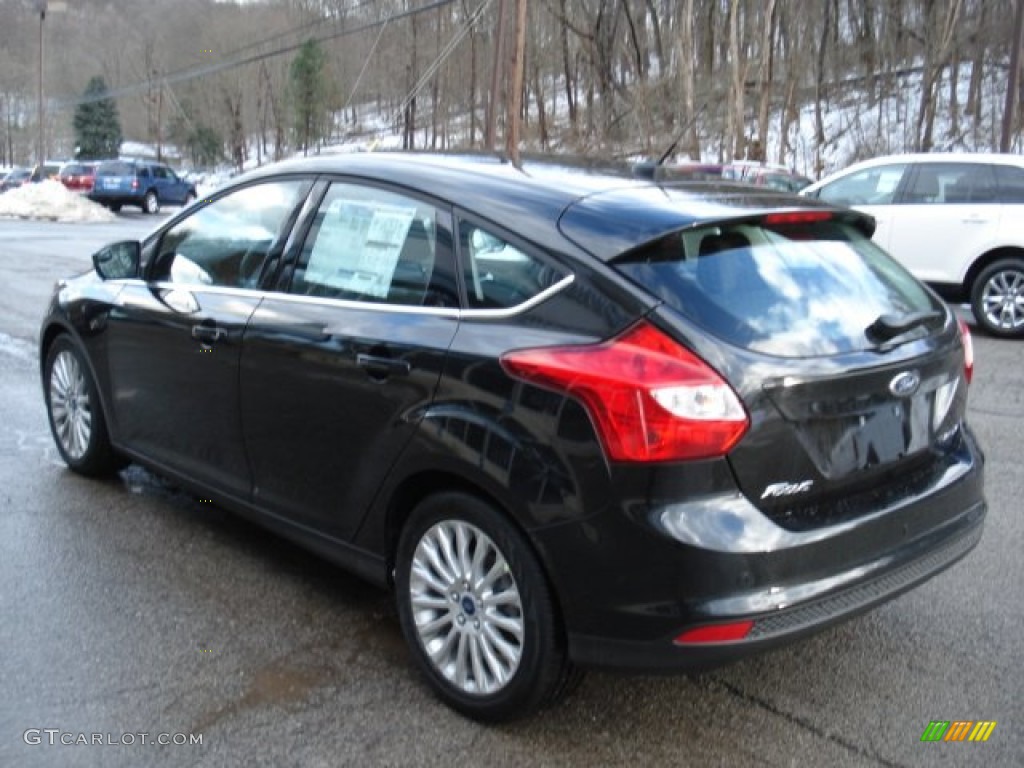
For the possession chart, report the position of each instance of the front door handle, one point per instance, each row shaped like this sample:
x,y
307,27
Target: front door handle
x,y
382,367
209,334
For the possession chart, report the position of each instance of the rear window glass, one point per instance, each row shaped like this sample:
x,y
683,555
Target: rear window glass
x,y
791,290
116,169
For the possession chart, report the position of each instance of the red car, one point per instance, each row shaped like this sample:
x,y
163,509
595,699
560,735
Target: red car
x,y
78,177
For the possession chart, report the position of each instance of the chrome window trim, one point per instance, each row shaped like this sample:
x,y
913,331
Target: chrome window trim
x,y
461,314
533,301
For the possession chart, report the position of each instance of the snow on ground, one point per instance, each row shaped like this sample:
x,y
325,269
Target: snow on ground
x,y
51,201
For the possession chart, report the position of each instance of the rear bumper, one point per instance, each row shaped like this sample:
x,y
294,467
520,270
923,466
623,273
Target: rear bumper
x,y
785,625
115,198
638,575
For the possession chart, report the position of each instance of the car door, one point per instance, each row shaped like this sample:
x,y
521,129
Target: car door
x,y
872,190
172,189
174,338
946,216
338,365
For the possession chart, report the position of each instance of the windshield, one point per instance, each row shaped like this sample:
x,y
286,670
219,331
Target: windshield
x,y
791,290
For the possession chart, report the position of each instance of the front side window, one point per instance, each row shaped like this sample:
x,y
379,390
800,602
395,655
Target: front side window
x,y
226,242
870,186
498,275
374,245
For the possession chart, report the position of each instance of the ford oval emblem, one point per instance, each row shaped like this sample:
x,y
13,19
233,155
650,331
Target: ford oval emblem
x,y
904,384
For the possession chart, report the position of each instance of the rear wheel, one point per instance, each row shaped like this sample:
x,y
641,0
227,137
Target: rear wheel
x,y
477,612
997,298
151,203
76,417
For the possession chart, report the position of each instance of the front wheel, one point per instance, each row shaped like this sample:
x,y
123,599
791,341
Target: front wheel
x,y
997,298
151,203
477,612
75,414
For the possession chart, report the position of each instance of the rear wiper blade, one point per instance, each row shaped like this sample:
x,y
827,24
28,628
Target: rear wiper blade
x,y
890,326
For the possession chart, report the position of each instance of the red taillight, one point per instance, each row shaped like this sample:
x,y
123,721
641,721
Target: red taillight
x,y
797,217
965,338
650,398
716,633
135,183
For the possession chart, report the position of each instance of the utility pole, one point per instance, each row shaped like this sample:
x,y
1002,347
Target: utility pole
x,y
41,147
1011,83
41,7
515,98
496,71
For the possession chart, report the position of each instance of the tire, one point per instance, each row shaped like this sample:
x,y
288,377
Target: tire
x,y
997,298
484,630
151,203
76,416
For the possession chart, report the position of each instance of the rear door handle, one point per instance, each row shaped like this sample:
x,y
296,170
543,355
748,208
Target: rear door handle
x,y
209,334
382,367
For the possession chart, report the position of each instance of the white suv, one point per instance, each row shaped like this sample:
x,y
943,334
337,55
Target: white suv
x,y
955,220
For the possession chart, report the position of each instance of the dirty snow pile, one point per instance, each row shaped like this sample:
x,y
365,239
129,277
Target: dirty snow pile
x,y
51,201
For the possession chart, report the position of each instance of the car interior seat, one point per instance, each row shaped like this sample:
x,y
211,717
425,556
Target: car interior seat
x,y
721,276
414,268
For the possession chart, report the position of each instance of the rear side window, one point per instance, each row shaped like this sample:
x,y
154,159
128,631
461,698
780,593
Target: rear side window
x,y
373,245
1011,183
951,184
802,290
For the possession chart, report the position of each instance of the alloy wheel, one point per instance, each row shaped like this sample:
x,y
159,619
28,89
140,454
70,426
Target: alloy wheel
x,y
70,407
467,608
1002,300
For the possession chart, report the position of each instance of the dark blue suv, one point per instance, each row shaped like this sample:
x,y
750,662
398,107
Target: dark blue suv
x,y
147,185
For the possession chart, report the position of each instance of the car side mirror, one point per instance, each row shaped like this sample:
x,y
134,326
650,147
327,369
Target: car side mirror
x,y
118,261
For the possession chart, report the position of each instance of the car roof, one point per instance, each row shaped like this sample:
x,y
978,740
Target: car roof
x,y
603,210
996,158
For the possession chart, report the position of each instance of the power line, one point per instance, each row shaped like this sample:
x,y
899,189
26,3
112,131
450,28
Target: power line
x,y
182,76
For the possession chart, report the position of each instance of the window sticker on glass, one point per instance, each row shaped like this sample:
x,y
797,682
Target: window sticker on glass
x,y
358,246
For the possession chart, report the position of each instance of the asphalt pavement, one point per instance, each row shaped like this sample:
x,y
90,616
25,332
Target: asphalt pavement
x,y
128,607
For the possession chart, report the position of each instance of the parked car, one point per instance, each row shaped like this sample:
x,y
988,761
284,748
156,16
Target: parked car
x,y
572,419
78,177
955,220
759,174
765,175
15,178
44,171
146,185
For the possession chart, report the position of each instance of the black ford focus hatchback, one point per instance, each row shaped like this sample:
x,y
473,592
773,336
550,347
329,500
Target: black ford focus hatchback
x,y
571,419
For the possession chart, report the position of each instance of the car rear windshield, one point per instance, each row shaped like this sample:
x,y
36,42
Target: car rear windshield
x,y
115,169
784,289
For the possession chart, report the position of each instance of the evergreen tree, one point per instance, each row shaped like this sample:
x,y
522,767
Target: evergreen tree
x,y
97,124
309,94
